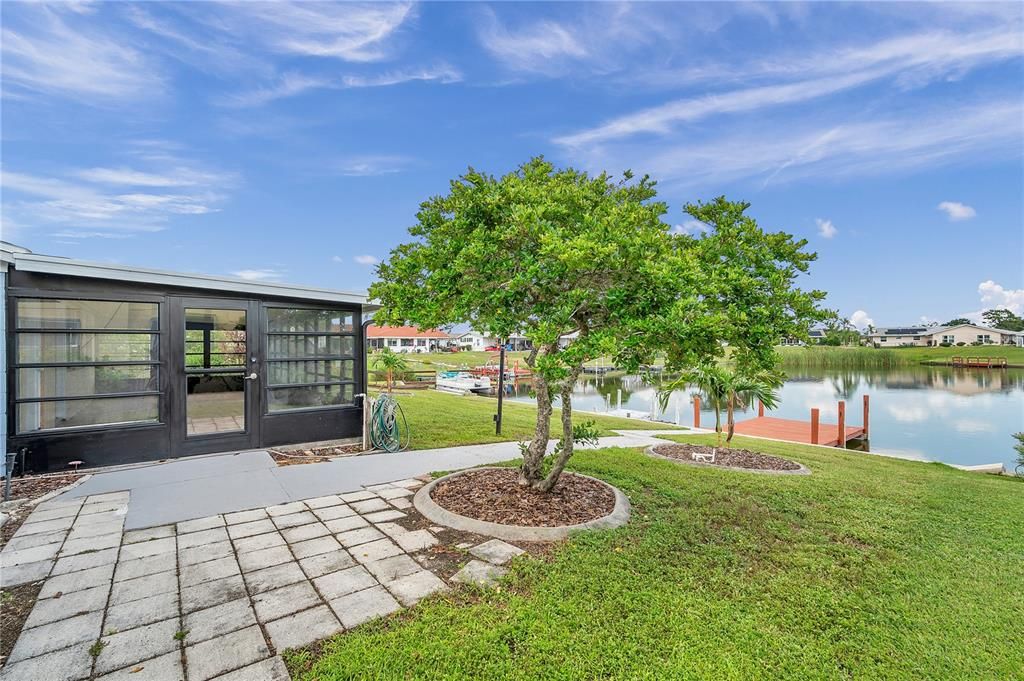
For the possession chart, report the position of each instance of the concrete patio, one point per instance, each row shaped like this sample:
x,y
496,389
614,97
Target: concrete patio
x,y
218,597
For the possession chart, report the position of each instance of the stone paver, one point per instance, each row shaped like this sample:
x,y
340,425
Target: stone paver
x,y
302,628
496,551
480,573
363,606
218,592
128,647
225,653
166,667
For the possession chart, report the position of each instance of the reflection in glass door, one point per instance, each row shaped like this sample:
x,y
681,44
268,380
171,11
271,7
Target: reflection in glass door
x,y
216,361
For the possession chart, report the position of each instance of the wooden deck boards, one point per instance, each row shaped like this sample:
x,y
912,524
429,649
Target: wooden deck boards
x,y
795,431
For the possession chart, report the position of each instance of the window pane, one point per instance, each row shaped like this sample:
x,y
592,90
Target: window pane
x,y
283,347
87,347
297,320
280,373
87,314
36,416
215,403
306,397
75,381
215,338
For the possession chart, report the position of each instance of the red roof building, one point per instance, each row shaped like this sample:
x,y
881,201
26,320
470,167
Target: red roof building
x,y
407,338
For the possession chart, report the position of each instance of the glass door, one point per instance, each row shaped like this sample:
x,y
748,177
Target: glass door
x,y
219,376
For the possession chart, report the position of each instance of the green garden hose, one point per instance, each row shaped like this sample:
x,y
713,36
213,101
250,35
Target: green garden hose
x,y
389,430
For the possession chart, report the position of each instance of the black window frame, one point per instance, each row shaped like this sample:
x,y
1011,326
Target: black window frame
x,y
353,334
15,365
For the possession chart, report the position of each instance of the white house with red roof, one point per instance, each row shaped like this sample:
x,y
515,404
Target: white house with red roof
x,y
407,338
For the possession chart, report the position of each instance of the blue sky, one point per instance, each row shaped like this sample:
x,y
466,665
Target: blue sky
x,y
294,141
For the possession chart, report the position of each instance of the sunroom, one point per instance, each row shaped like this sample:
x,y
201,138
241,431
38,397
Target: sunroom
x,y
109,364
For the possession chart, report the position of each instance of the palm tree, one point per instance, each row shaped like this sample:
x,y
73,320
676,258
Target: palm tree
x,y
392,362
725,389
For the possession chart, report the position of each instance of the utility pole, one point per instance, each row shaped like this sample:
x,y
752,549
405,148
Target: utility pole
x,y
501,388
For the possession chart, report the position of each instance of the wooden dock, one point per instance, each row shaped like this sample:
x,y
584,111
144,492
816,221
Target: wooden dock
x,y
806,432
979,362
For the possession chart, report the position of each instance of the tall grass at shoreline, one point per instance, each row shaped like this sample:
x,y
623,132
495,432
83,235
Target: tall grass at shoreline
x,y
844,358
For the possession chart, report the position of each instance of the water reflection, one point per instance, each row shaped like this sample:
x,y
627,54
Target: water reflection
x,y
962,416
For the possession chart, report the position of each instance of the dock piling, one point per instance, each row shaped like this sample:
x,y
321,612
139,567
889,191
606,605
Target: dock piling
x,y
815,413
841,438
696,412
866,412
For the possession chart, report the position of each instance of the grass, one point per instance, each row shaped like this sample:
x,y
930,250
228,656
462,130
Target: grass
x,y
869,568
468,420
824,357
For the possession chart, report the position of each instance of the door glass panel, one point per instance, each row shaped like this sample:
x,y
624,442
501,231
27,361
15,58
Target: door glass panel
x,y
87,347
310,396
36,382
215,362
87,314
34,416
284,373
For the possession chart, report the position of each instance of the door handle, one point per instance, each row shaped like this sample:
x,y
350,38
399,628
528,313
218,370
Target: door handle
x,y
251,377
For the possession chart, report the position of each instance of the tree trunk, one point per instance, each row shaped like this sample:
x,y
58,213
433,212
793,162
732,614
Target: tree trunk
x,y
548,483
730,418
533,457
718,422
391,381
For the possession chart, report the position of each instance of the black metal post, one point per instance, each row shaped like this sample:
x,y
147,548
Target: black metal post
x,y
501,388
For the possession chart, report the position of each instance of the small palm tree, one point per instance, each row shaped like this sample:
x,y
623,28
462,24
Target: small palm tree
x,y
725,389
392,362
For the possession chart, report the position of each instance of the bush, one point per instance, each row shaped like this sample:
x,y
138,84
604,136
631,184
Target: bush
x,y
961,344
945,344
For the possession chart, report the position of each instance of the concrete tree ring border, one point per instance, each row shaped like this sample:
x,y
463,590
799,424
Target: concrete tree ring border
x,y
803,470
433,512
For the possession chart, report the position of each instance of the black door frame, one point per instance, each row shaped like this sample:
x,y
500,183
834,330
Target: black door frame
x,y
181,443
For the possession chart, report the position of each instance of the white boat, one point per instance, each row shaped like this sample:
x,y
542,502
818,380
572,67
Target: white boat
x,y
462,382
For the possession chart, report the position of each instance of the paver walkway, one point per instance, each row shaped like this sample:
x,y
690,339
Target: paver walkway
x,y
217,597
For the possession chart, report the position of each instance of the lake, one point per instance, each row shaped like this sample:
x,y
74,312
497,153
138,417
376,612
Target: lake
x,y
959,416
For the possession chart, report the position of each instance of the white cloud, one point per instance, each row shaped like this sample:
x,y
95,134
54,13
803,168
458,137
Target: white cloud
x,y
957,211
43,53
353,32
861,320
995,295
372,165
690,227
366,259
258,275
826,229
534,47
113,202
909,61
337,258
294,84
874,145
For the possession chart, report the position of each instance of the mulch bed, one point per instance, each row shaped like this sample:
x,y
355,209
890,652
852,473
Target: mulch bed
x,y
15,605
494,495
292,457
734,458
29,488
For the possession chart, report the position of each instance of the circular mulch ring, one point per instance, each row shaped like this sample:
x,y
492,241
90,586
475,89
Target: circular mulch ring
x,y
729,459
489,501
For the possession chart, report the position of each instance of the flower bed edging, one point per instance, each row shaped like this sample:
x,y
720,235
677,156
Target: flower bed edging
x,y
435,513
803,470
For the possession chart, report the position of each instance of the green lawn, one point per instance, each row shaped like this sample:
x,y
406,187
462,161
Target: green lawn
x,y
468,419
871,568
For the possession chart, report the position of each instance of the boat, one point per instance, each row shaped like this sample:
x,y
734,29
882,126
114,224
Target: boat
x,y
462,382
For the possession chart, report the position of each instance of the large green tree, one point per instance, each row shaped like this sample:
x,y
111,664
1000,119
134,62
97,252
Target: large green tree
x,y
584,266
1003,319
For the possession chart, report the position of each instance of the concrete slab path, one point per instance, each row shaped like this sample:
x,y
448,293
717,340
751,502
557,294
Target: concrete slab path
x,y
204,486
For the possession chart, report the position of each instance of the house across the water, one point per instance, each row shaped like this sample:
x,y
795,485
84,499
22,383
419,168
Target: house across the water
x,y
408,339
108,364
931,336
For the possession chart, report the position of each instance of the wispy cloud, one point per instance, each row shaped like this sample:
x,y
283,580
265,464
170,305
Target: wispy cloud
x,y
352,32
690,227
532,47
372,165
112,202
46,50
366,259
442,73
957,211
997,296
826,229
258,275
907,61
828,149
